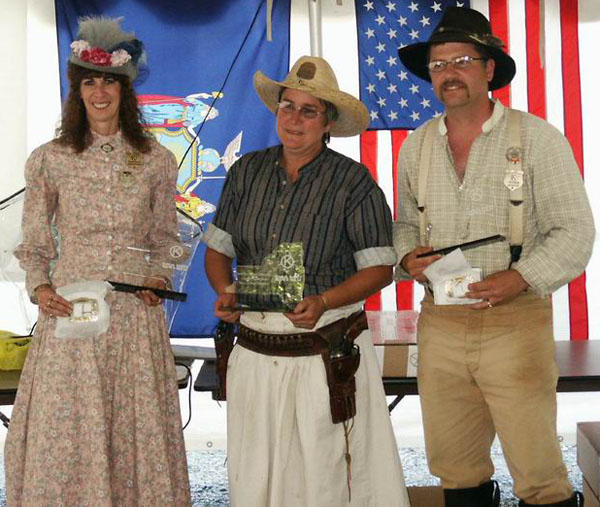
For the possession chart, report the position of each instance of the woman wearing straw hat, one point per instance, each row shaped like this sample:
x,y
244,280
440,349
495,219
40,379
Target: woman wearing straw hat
x,y
297,434
96,420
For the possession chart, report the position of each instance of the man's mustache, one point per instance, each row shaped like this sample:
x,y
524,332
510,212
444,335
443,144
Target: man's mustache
x,y
453,82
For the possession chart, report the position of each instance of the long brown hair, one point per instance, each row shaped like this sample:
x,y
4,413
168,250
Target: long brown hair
x,y
74,130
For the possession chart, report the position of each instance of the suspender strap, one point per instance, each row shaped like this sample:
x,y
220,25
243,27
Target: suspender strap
x,y
424,165
513,180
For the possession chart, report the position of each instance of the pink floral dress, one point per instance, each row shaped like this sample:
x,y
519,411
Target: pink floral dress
x,y
96,420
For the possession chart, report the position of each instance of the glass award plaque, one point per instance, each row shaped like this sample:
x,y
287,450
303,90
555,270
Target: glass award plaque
x,y
277,285
142,268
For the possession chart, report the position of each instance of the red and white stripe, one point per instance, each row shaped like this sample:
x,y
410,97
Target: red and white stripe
x,y
555,80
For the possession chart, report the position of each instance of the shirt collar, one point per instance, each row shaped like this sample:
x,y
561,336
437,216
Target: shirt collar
x,y
315,162
487,126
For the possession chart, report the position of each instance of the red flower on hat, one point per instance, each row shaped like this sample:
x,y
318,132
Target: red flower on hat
x,y
98,56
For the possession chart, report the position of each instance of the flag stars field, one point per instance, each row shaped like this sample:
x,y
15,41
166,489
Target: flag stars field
x,y
384,26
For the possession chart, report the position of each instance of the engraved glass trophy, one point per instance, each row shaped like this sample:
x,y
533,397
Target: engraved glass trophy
x,y
277,285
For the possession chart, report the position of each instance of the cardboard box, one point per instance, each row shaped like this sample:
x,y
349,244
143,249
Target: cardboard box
x,y
591,500
428,496
397,360
588,455
394,335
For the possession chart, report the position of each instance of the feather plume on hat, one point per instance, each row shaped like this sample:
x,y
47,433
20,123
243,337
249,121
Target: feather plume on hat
x,y
103,45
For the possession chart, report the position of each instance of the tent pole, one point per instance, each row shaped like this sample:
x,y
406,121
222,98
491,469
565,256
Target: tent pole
x,y
316,39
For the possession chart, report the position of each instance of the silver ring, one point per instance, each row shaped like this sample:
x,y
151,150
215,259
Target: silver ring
x,y
48,303
490,305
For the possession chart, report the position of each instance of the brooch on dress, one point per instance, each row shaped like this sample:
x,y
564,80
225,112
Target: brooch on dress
x,y
126,178
133,159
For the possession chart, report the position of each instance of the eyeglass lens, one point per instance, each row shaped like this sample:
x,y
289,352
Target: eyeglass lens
x,y
460,62
288,108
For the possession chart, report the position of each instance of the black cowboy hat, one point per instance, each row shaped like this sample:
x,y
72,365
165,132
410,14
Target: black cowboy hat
x,y
460,24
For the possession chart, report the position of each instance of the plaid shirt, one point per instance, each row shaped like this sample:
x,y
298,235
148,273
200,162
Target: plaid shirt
x,y
558,222
335,209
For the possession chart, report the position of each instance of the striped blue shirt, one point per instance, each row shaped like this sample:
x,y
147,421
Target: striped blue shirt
x,y
335,209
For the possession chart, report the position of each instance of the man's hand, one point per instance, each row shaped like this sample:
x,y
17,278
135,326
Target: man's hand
x,y
496,289
307,312
415,267
225,307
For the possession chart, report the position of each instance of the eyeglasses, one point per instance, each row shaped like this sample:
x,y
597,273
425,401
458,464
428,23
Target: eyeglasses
x,y
460,62
288,108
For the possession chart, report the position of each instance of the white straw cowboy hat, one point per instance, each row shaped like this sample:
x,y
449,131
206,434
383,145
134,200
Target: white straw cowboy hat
x,y
314,76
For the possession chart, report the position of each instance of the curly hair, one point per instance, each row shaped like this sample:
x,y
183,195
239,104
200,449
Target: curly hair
x,y
74,129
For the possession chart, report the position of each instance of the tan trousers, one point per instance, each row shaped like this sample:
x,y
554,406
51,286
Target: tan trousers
x,y
483,372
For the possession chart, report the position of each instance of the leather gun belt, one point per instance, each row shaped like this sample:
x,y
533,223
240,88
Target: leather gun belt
x,y
290,345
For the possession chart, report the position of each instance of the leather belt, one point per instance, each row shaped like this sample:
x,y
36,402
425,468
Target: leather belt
x,y
290,345
304,344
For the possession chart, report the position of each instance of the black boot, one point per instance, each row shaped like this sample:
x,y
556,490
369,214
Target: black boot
x,y
484,495
575,501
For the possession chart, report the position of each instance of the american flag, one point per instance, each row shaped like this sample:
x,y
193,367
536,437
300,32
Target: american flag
x,y
396,99
542,37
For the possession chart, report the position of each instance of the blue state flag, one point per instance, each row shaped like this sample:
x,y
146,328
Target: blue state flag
x,y
194,48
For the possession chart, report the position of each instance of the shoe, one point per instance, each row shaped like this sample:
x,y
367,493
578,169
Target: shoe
x,y
484,495
575,501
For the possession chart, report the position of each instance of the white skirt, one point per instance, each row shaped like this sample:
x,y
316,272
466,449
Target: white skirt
x,y
284,450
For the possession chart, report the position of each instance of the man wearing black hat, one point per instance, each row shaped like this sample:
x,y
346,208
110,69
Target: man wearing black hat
x,y
486,366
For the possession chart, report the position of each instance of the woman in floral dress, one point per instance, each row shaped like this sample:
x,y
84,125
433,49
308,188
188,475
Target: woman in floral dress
x,y
96,420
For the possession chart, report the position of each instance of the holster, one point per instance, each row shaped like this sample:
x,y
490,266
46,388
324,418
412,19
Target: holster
x,y
341,359
224,341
